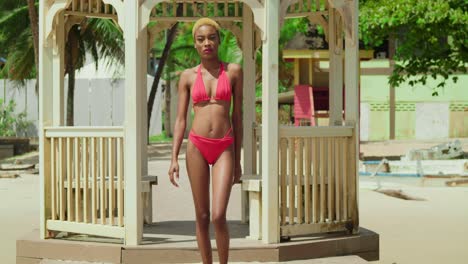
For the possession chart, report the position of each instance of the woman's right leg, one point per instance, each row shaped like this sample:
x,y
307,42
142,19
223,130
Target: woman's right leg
x,y
199,175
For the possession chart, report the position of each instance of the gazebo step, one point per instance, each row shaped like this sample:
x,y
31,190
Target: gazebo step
x,y
332,260
170,242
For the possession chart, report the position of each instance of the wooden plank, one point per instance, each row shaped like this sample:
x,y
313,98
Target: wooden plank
x,y
300,175
102,189
94,195
260,155
77,167
226,8
111,163
69,180
249,140
86,204
315,178
90,6
283,168
309,5
320,131
53,169
90,229
330,172
295,230
255,153
64,132
184,9
98,6
236,9
81,5
74,5
308,166
292,172
164,9
205,8
106,8
344,156
174,8
62,152
317,5
353,192
296,72
216,8
195,9
323,166
338,173
120,198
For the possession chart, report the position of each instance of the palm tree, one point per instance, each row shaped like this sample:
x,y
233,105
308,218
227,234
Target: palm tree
x,y
18,43
99,37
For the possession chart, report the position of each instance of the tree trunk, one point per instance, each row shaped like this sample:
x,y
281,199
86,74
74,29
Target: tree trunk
x,y
34,20
70,47
154,87
167,116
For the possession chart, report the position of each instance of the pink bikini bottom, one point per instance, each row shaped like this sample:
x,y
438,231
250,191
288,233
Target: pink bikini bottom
x,y
211,148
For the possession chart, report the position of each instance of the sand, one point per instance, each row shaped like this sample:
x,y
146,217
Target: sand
x,y
411,232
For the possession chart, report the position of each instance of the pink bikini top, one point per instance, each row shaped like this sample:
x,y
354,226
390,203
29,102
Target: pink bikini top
x,y
223,88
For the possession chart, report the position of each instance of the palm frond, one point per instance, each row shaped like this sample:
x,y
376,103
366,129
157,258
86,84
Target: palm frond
x,y
11,27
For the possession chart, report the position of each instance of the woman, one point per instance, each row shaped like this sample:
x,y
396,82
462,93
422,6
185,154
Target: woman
x,y
214,139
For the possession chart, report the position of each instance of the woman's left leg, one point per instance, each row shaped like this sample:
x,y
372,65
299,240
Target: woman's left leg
x,y
222,184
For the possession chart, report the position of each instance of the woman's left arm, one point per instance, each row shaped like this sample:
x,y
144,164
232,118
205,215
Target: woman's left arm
x,y
237,118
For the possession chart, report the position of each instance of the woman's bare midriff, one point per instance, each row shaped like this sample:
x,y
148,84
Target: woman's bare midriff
x,y
211,119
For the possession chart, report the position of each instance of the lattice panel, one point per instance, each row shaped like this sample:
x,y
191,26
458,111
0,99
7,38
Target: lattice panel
x,y
458,107
405,107
217,9
91,8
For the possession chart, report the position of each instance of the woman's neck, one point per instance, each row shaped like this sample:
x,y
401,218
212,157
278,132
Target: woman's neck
x,y
211,65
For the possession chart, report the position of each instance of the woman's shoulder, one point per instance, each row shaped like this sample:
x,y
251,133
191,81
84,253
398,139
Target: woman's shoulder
x,y
188,74
234,71
233,67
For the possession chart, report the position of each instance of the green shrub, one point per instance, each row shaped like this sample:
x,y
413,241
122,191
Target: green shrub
x,y
12,124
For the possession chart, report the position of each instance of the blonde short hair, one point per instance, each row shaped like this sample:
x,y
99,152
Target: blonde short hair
x,y
205,22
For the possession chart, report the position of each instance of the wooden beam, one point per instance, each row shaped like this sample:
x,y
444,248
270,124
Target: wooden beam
x,y
83,228
336,69
249,101
270,210
134,46
58,71
45,117
352,101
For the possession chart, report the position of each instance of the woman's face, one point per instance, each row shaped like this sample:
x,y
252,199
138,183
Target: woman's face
x,y
207,42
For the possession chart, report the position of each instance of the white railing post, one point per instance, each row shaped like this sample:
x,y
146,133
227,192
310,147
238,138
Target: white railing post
x,y
352,100
135,42
270,210
248,51
45,115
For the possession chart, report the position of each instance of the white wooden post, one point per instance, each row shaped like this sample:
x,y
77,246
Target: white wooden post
x,y
58,70
248,51
270,210
336,70
134,46
45,115
143,100
352,93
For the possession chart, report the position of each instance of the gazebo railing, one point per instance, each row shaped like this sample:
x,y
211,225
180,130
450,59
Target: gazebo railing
x,y
317,178
85,180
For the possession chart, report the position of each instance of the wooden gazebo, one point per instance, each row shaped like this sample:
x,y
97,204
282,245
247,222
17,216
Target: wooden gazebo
x,y
90,177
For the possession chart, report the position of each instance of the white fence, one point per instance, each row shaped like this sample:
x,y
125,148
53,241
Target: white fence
x,y
98,102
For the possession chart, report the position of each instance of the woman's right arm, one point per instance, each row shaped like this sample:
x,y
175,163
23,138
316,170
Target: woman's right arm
x,y
180,124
